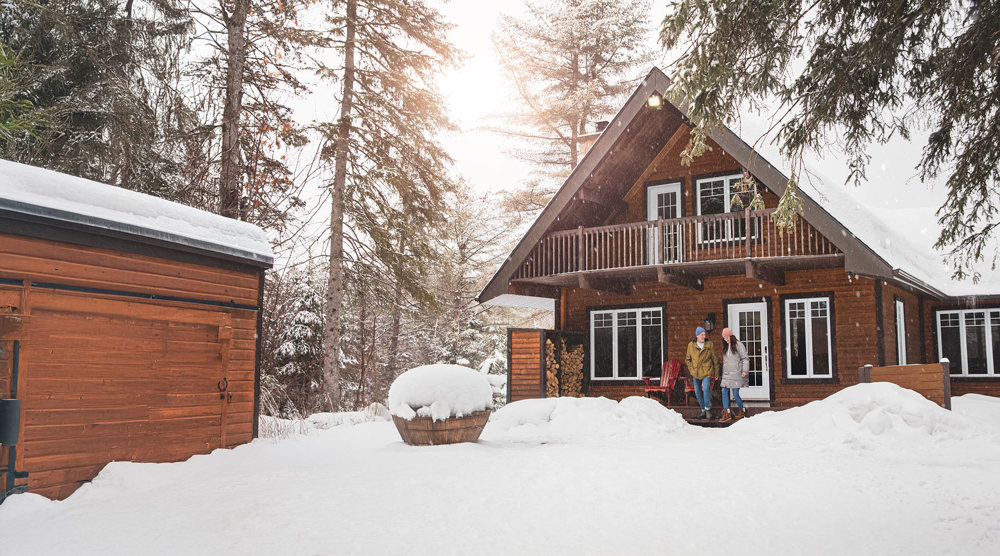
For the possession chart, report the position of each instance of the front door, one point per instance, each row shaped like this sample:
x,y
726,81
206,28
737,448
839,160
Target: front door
x,y
748,322
664,202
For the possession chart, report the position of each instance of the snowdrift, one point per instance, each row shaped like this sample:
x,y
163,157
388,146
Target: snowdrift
x,y
565,420
861,416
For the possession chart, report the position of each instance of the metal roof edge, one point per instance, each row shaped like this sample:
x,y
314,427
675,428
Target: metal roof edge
x,y
99,225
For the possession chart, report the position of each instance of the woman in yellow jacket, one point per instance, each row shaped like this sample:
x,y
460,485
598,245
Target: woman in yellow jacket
x,y
703,364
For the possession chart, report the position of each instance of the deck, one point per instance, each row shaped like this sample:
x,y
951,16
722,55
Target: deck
x,y
679,250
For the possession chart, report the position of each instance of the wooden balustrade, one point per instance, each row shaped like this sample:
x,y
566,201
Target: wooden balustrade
x,y
714,237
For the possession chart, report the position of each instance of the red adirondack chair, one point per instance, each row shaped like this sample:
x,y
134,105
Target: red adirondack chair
x,y
669,376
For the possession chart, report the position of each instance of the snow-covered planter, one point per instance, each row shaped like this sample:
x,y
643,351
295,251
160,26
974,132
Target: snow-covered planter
x,y
440,404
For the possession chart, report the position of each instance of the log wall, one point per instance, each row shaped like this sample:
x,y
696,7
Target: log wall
x,y
108,374
667,166
526,363
854,324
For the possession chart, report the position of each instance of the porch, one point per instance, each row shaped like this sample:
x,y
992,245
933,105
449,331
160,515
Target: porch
x,y
678,251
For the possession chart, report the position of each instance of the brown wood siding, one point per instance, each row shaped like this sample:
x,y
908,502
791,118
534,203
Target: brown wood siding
x,y
525,364
854,315
105,377
667,166
45,261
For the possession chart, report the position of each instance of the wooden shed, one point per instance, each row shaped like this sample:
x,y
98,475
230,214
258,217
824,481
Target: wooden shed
x,y
129,329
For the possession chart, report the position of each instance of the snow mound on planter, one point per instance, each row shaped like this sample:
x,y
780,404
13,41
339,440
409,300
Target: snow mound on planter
x,y
860,415
440,392
580,419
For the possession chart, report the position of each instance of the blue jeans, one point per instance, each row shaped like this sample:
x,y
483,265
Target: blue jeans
x,y
736,396
702,392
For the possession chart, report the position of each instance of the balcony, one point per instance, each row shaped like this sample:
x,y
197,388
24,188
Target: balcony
x,y
680,251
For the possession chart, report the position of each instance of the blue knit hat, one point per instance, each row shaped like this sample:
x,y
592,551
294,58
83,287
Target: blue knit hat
x,y
698,330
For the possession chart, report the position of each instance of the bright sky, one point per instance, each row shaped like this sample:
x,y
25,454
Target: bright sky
x,y
478,90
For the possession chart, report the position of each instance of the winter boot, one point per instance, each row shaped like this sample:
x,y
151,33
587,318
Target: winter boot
x,y
727,416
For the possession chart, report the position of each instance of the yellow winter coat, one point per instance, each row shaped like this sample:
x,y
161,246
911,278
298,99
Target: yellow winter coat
x,y
702,363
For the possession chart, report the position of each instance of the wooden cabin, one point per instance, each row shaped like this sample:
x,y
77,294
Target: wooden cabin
x,y
636,250
129,328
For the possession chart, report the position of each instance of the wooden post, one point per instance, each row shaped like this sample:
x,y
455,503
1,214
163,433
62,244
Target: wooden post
x,y
746,232
946,369
579,248
865,374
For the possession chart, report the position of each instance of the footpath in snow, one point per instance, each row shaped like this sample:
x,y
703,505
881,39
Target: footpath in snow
x,y
874,469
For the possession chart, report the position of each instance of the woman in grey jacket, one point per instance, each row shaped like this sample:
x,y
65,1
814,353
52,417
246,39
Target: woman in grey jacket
x,y
735,373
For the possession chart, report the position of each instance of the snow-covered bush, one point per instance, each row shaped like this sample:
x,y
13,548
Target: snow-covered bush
x,y
440,392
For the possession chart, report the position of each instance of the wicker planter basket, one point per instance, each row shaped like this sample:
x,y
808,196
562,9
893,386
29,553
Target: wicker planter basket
x,y
424,431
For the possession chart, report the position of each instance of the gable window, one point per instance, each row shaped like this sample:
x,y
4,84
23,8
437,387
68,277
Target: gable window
x,y
970,340
900,332
715,196
808,338
626,343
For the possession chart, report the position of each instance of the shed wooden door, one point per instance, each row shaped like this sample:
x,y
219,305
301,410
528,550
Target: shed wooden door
x,y
111,380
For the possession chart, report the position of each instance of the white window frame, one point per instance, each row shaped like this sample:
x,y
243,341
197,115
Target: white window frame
x,y
614,341
809,337
992,366
900,332
728,181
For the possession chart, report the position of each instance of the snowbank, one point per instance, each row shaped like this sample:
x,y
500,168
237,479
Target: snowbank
x,y
580,420
860,416
439,392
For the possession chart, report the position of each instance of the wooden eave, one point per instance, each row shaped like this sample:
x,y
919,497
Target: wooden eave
x,y
626,148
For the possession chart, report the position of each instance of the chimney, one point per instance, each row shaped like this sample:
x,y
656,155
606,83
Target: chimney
x,y
587,141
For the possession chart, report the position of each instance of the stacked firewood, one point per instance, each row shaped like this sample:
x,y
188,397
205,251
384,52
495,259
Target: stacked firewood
x,y
572,370
551,371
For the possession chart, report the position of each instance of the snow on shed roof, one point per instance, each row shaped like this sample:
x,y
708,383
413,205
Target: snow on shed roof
x,y
57,197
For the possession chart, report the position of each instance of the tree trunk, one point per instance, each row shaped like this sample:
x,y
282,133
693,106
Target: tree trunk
x,y
397,312
229,180
335,283
359,397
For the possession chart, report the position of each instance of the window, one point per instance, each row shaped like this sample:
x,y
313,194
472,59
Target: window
x,y
715,196
808,338
626,343
900,332
970,340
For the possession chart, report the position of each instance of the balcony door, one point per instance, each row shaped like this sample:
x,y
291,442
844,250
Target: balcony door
x,y
748,322
664,201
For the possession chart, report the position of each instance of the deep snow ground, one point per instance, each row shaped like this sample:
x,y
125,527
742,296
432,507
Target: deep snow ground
x,y
874,469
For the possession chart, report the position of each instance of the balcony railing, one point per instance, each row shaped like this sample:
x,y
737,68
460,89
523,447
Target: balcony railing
x,y
714,237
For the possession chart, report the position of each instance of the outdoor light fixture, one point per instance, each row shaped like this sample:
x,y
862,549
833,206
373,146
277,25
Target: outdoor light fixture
x,y
709,322
655,101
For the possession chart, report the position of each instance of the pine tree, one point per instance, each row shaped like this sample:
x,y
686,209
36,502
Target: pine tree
x,y
19,118
570,61
388,170
858,72
104,67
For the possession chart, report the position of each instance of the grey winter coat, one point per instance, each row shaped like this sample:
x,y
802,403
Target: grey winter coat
x,y
733,367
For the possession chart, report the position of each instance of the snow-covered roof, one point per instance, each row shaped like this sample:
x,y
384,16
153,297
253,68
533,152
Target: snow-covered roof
x,y
69,200
893,238
893,211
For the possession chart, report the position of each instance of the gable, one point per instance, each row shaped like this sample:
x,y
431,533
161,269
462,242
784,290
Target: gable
x,y
641,145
